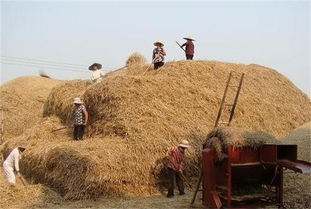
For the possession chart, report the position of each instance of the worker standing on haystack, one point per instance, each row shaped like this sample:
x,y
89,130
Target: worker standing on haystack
x,y
175,167
97,74
11,164
189,48
158,55
80,119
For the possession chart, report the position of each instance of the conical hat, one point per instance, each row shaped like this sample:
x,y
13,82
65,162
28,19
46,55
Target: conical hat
x,y
189,38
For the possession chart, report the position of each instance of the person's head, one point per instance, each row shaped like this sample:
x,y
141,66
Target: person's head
x,y
95,66
158,44
77,101
184,144
21,149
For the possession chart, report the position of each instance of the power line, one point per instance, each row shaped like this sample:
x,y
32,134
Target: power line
x,y
39,64
40,61
47,67
44,62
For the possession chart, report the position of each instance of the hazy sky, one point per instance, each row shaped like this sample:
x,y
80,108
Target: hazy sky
x,y
271,33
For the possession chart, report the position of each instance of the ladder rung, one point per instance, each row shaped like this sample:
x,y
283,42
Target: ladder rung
x,y
234,86
200,190
223,122
228,104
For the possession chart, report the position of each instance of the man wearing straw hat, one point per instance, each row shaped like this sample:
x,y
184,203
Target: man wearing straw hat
x,y
11,164
158,55
189,48
97,74
80,119
175,167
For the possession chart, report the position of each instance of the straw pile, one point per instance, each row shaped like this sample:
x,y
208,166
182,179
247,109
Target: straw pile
x,y
22,101
222,137
61,99
135,59
297,187
134,117
25,197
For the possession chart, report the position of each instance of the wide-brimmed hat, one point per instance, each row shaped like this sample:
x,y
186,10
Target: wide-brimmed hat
x,y
99,66
158,43
77,100
189,38
184,144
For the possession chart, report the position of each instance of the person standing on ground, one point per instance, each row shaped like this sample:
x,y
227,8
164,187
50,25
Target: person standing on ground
x,y
97,74
158,55
80,119
11,164
175,167
189,48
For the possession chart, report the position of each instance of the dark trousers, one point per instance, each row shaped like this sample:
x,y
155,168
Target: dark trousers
x,y
172,175
189,56
158,65
78,132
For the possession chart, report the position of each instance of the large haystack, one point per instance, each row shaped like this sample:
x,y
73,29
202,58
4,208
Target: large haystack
x,y
297,187
135,116
22,101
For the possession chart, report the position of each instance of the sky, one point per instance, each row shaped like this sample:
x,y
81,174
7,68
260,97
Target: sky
x,y
67,36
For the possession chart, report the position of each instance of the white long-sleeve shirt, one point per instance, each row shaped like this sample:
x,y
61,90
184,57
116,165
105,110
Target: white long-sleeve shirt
x,y
13,159
96,75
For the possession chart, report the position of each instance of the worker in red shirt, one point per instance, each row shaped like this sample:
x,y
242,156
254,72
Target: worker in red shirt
x,y
175,167
189,48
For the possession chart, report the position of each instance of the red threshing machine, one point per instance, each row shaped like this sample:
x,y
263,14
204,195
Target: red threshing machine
x,y
248,167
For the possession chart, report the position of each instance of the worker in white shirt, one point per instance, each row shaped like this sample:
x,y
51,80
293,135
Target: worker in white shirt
x,y
97,74
11,164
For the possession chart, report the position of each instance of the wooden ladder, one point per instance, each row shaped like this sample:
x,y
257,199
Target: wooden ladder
x,y
219,122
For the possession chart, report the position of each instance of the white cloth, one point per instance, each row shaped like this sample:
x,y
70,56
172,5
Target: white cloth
x,y
11,163
96,76
9,174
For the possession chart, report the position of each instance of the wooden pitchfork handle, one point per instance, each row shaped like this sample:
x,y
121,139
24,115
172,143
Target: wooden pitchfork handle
x,y
22,179
180,46
149,66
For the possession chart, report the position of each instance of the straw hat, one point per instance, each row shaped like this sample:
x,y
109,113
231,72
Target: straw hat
x,y
99,66
189,38
184,144
158,43
77,101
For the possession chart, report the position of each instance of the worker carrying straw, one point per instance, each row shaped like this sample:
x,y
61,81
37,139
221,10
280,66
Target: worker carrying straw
x,y
80,119
97,74
175,167
189,48
158,55
11,164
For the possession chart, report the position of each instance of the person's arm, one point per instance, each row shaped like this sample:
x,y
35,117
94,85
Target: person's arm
x,y
16,162
86,115
163,52
153,54
183,45
102,74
